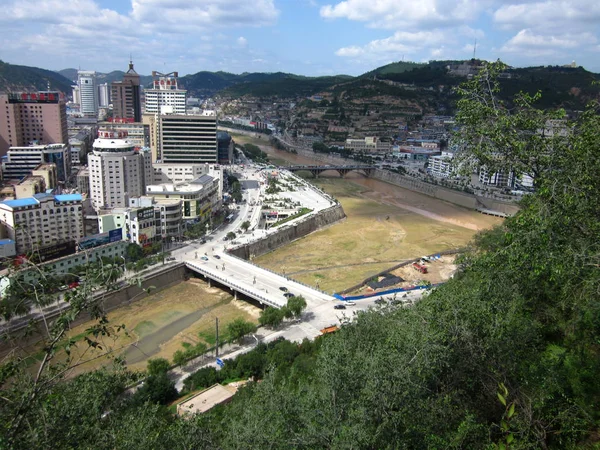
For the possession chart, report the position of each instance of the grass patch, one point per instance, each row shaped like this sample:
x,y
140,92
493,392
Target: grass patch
x,y
144,328
302,212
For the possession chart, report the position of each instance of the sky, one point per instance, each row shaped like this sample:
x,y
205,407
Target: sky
x,y
307,37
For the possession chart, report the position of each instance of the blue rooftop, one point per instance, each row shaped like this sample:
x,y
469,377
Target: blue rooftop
x,y
6,241
68,198
21,202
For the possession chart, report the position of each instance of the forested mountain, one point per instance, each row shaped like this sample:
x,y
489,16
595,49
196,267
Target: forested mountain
x,y
115,75
25,78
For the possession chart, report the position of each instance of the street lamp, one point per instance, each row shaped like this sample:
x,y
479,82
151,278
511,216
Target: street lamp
x,y
124,266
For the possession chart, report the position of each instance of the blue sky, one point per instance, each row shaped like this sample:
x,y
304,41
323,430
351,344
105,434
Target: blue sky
x,y
308,37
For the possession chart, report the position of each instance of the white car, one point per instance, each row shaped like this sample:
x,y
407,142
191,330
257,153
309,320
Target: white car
x,y
349,303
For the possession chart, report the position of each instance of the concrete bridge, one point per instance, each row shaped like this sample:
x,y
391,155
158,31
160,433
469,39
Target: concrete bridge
x,y
341,169
262,285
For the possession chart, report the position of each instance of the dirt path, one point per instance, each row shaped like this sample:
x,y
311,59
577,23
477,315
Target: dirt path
x,y
390,200
319,269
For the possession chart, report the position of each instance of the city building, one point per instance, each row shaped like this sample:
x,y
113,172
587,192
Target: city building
x,y
185,173
139,224
117,170
498,179
200,197
20,161
49,173
126,96
81,144
168,213
103,95
368,145
138,133
7,248
32,117
29,186
83,181
224,148
188,139
45,224
165,97
76,95
151,121
441,165
88,93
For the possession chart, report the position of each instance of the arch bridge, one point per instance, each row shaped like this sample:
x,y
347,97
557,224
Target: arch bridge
x,y
343,170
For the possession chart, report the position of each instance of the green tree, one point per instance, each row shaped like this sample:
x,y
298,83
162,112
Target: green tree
x,y
239,328
230,236
134,253
245,225
271,317
157,366
296,305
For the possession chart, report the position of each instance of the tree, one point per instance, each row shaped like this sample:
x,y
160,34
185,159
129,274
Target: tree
x,y
240,328
506,137
134,252
157,366
230,236
245,225
296,305
271,317
156,389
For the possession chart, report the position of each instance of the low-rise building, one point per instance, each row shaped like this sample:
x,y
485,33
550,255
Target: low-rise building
x,y
20,161
200,197
168,214
42,221
368,145
139,224
441,165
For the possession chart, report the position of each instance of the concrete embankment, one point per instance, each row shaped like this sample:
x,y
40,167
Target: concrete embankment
x,y
289,233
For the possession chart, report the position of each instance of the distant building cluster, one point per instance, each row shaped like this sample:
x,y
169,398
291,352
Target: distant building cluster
x,y
119,164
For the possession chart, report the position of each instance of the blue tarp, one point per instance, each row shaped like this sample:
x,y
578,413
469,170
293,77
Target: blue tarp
x,y
346,298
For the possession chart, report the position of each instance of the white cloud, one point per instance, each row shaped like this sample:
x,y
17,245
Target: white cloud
x,y
242,41
394,47
204,14
527,40
546,16
397,14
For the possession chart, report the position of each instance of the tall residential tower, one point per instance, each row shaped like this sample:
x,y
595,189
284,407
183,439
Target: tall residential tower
x,y
125,96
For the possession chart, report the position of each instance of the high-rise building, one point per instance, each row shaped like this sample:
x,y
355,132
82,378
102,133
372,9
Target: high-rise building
x,y
125,96
43,221
165,97
88,93
32,117
76,96
225,147
188,139
103,95
117,170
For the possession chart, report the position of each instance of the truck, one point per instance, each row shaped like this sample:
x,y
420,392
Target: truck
x,y
420,267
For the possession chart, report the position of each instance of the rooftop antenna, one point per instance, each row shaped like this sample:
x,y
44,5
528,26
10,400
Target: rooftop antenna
x,y
474,48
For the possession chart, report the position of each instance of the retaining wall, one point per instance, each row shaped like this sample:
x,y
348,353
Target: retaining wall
x,y
289,232
464,199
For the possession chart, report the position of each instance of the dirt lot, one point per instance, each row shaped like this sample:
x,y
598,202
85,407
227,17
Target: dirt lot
x,y
158,325
438,271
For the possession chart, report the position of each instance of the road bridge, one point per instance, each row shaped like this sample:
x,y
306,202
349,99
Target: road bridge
x,y
255,282
341,169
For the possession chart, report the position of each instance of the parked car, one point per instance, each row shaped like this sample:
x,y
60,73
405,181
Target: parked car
x,y
204,258
171,258
217,257
288,295
283,288
339,307
349,303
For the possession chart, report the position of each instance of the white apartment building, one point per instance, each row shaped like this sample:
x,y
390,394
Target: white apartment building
x,y
42,221
117,171
165,97
103,95
88,93
441,165
498,179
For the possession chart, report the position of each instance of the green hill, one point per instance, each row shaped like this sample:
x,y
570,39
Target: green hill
x,y
395,67
24,78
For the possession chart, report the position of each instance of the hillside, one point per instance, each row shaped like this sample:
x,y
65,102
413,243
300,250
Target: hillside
x,y
281,85
115,75
395,67
25,78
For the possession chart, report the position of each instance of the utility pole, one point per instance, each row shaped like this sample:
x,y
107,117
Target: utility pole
x,y
217,340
